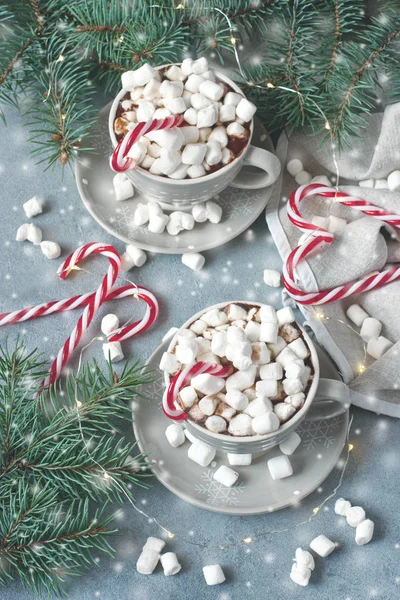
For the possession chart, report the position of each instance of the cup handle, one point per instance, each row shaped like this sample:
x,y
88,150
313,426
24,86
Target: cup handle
x,y
331,400
258,157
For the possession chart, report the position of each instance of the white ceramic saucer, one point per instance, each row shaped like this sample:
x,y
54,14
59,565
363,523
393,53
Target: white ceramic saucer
x,y
256,492
94,180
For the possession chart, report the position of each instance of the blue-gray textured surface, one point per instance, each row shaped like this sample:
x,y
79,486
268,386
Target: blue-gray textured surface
x,y
233,271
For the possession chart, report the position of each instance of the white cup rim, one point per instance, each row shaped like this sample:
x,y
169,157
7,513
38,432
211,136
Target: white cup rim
x,y
298,417
181,182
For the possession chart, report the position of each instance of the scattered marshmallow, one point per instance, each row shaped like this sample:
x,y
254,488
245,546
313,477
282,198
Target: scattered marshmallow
x,y
147,561
213,574
356,314
123,187
113,351
377,347
355,515
305,559
290,443
34,234
22,233
109,324
174,434
33,207
322,546
239,460
170,563
381,184
50,249
272,278
280,467
127,262
193,260
366,183
342,507
303,177
201,453
393,181
138,255
364,532
226,476
371,328
300,574
155,544
336,224
294,167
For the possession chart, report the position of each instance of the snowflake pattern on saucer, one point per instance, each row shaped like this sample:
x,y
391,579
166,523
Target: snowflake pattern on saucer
x,y
216,493
321,432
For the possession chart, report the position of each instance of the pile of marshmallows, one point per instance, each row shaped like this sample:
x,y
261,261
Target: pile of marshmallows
x,y
370,330
304,561
261,393
211,112
32,233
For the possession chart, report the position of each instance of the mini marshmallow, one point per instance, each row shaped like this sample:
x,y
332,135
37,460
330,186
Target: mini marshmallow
x,y
277,348
179,173
268,314
232,98
214,212
22,233
171,89
280,467
109,323
204,134
267,388
215,317
227,113
208,75
336,224
272,371
190,134
198,327
50,249
300,574
147,561
138,255
305,375
189,436
195,413
170,564
153,150
199,101
193,260
113,351
155,544
236,399
292,386
285,315
219,135
208,404
289,445
213,91
127,262
239,460
258,407
200,66
299,348
213,153
272,278
245,110
123,188
321,179
169,161
393,181
186,95
322,546
241,380
208,116
218,343
342,507
154,169
215,423
294,167
356,314
265,423
252,331
303,177
364,532
371,328
191,116
193,154
188,396
377,347
208,384
260,354
169,363
225,411
236,312
139,77
366,183
193,83
241,425
186,351
176,105
226,476
355,515
381,184
175,73
195,171
187,66
33,207
284,411
201,453
199,212
296,400
269,332
141,215
235,130
145,111
151,89
304,559
213,574
34,234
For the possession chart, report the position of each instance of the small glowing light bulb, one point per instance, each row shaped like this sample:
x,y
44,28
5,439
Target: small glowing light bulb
x,y
351,446
171,535
78,403
315,510
327,125
270,85
233,41
320,315
361,368
106,475
248,540
60,58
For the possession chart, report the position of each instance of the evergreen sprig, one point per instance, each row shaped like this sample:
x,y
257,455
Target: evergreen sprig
x,y
60,453
56,56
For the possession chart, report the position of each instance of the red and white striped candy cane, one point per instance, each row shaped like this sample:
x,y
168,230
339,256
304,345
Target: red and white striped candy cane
x,y
94,303
183,378
120,162
319,237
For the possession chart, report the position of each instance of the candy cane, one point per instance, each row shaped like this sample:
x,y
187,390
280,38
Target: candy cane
x,y
183,378
319,237
120,162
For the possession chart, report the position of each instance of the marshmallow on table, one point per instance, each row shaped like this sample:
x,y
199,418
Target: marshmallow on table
x,y
290,443
322,546
174,434
139,77
239,460
304,559
113,351
127,262
342,507
303,177
147,561
155,544
22,233
201,454
123,188
393,181
193,260
366,183
377,347
280,467
109,323
199,212
34,234
355,515
371,328
265,423
214,212
33,207
364,532
50,249
138,255
381,184
170,563
226,476
213,574
336,224
272,278
294,167
300,574
356,314
157,223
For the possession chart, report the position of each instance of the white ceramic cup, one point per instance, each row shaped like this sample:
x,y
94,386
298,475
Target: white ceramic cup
x,y
183,193
256,444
